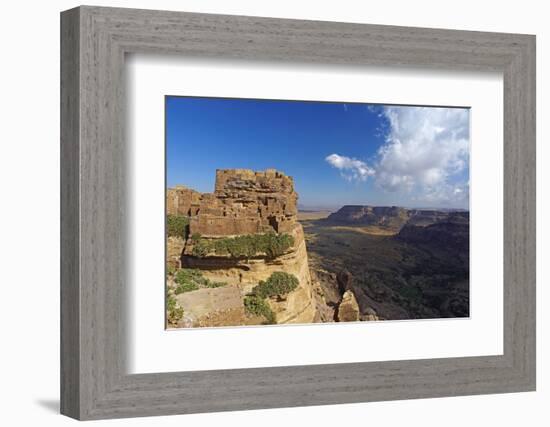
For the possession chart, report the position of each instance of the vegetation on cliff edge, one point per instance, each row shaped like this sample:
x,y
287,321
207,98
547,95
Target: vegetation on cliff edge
x,y
177,226
278,284
174,312
248,245
257,306
191,279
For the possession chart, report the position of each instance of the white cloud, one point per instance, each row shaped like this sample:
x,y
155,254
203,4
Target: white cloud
x,y
424,149
446,194
350,168
425,153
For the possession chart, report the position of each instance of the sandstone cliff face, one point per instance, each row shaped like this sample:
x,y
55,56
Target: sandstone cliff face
x,y
296,307
244,203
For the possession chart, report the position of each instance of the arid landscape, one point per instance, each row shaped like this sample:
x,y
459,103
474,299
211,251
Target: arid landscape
x,y
244,255
289,211
400,263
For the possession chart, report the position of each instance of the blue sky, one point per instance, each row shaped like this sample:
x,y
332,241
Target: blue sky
x,y
337,153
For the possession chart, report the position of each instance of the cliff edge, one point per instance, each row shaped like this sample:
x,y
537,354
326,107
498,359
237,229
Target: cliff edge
x,y
240,240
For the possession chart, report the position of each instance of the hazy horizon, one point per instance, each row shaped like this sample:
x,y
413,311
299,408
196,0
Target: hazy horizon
x,y
333,208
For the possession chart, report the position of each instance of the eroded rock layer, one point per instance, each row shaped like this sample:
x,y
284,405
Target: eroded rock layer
x,y
392,217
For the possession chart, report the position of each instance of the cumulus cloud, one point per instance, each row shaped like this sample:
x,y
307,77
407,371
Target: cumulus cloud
x,y
424,149
424,156
455,194
350,168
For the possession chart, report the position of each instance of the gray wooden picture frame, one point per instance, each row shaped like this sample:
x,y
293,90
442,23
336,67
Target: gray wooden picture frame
x,y
94,382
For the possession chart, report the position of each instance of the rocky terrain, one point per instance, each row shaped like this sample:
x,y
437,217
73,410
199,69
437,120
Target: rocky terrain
x,y
400,263
238,256
242,256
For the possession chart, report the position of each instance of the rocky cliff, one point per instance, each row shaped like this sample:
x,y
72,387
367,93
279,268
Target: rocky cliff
x,y
239,236
451,231
392,218
399,263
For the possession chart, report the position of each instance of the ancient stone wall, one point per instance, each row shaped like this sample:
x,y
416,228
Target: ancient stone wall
x,y
181,200
243,202
246,202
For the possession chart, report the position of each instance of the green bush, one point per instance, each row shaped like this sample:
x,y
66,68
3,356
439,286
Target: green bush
x,y
170,269
177,226
191,279
186,287
257,306
210,284
277,244
245,246
279,283
174,313
201,248
187,275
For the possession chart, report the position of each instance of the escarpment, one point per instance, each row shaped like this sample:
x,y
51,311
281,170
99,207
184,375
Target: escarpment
x,y
392,218
242,236
400,263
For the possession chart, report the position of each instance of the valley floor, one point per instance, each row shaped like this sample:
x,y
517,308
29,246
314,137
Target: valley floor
x,y
390,277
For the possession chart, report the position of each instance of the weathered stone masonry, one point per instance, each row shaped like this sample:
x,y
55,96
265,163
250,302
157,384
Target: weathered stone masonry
x,y
243,202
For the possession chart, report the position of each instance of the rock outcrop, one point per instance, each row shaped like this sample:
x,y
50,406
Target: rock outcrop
x,y
348,309
382,216
392,217
251,204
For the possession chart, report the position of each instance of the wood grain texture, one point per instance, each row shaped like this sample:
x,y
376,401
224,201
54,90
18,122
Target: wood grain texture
x,y
94,381
70,292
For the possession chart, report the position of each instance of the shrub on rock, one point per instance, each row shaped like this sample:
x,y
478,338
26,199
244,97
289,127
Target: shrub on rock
x,y
245,246
278,284
257,306
177,226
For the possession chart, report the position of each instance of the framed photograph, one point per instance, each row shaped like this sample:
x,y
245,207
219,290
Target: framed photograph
x,y
295,243
262,213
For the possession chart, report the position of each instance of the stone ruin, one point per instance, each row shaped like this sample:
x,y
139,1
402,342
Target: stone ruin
x,y
243,202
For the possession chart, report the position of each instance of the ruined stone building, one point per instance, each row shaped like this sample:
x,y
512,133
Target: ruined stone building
x,y
243,202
